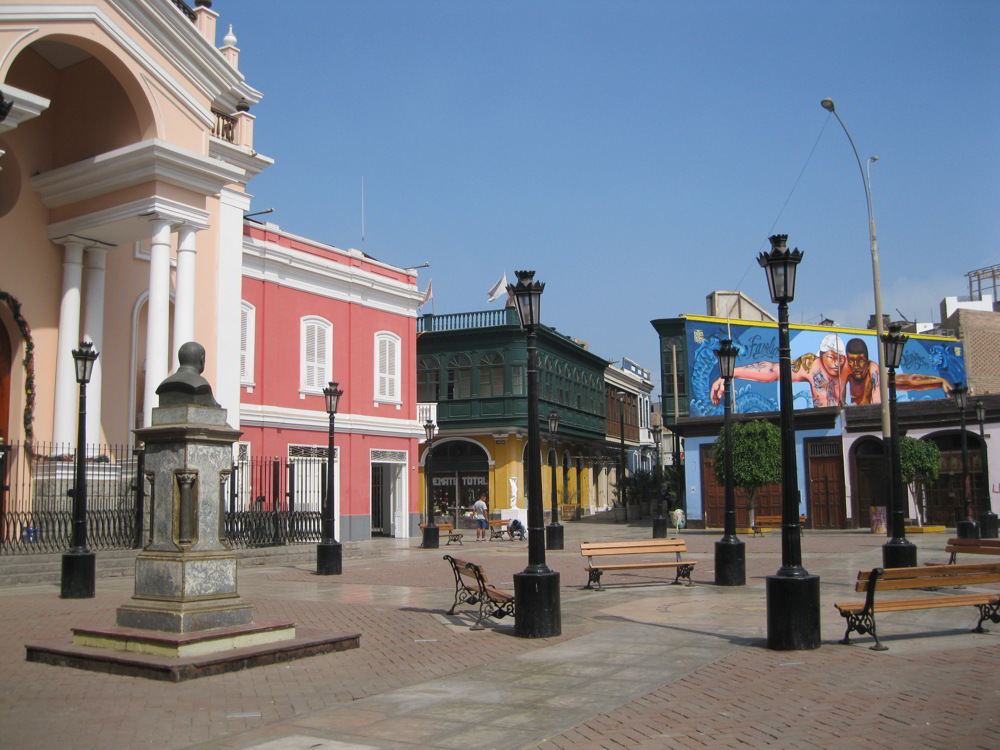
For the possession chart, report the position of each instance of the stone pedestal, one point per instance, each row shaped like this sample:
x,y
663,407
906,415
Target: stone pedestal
x,y
521,514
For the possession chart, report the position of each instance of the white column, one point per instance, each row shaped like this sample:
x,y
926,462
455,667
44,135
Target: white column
x,y
184,292
157,317
93,330
64,408
229,292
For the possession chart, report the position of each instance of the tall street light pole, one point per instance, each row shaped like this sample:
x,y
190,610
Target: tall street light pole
x,y
537,611
829,106
554,531
967,529
988,519
431,533
898,552
79,565
660,521
621,454
329,554
792,594
730,553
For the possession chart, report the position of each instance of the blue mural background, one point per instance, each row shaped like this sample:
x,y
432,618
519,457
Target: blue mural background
x,y
927,365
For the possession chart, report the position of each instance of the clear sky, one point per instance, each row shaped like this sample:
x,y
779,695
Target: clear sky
x,y
635,154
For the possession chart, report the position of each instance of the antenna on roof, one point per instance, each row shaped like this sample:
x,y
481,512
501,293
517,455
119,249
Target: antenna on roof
x,y
362,214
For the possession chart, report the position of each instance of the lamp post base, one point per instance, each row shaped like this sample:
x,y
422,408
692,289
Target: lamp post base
x,y
988,525
537,611
730,563
329,559
431,537
899,554
554,536
967,530
793,613
79,571
660,528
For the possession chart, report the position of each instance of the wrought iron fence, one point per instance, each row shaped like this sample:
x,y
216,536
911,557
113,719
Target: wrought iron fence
x,y
36,507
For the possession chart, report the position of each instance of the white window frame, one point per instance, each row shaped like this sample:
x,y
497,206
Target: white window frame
x,y
248,322
396,376
327,327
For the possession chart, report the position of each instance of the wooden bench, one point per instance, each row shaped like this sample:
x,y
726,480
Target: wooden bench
x,y
970,547
592,550
472,587
861,615
764,522
498,527
447,529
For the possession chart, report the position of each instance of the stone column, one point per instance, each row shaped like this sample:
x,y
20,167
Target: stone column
x,y
157,316
184,294
93,330
64,407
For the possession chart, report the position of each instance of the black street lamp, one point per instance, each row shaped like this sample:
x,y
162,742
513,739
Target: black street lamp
x,y
537,612
967,529
898,552
659,521
792,594
329,554
988,519
730,552
79,565
554,531
621,455
431,533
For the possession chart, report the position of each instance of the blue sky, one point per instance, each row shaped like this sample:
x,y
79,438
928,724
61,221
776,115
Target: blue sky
x,y
635,154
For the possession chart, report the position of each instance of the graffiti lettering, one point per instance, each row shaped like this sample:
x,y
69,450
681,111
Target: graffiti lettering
x,y
757,349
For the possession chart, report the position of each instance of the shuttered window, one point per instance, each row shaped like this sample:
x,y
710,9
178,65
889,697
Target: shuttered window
x,y
387,386
248,316
316,353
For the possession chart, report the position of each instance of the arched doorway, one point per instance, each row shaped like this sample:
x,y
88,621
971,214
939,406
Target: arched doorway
x,y
944,499
868,480
5,365
459,473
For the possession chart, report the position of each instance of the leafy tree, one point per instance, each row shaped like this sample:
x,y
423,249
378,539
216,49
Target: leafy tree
x,y
919,463
756,458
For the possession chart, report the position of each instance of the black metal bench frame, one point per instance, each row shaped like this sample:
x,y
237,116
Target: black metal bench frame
x,y
492,602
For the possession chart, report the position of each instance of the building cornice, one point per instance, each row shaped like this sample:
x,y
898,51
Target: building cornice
x,y
264,415
25,106
135,164
240,157
276,264
120,224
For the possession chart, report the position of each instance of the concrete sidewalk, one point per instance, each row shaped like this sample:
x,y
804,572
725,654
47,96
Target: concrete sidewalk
x,y
642,666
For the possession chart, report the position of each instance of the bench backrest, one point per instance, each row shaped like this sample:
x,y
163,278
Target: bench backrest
x,y
928,575
644,547
464,569
441,526
973,546
773,520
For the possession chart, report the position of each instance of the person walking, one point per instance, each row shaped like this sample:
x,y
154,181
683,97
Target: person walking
x,y
480,512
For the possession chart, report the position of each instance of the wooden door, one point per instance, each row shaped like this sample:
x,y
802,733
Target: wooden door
x,y
825,503
871,487
713,496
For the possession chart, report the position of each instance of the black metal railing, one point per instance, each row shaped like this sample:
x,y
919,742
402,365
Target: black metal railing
x,y
185,9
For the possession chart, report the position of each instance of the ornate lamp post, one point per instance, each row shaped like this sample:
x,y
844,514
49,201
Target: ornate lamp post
x,y
792,594
967,529
431,533
898,552
79,565
659,521
329,555
730,554
554,531
988,519
537,612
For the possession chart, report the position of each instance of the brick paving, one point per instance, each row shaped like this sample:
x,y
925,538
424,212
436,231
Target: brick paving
x,y
639,667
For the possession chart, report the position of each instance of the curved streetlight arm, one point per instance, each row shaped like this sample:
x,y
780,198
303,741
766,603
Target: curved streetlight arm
x,y
883,387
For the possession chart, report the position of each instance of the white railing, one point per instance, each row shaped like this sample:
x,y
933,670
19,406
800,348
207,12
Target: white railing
x,y
427,410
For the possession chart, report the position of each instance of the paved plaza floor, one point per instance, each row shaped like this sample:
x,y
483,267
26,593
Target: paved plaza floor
x,y
637,666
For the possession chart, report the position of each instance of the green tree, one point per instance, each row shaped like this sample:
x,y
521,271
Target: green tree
x,y
756,458
919,463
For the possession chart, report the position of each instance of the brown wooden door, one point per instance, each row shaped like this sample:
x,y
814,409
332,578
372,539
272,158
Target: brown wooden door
x,y
825,504
871,487
5,364
713,496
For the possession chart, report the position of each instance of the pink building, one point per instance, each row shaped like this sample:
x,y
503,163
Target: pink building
x,y
312,314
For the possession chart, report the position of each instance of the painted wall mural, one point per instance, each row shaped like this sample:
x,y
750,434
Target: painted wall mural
x,y
830,367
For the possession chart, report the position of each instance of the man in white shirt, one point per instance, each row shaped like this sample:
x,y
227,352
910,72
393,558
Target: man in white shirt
x,y
480,511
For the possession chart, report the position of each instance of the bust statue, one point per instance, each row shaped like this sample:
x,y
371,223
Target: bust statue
x,y
187,386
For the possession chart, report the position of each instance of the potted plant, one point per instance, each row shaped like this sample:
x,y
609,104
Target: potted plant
x,y
617,504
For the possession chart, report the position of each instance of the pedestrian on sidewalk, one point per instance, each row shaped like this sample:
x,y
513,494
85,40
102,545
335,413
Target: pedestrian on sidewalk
x,y
480,511
515,527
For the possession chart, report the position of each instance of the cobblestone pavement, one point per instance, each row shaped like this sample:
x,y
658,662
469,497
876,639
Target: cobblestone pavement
x,y
640,666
